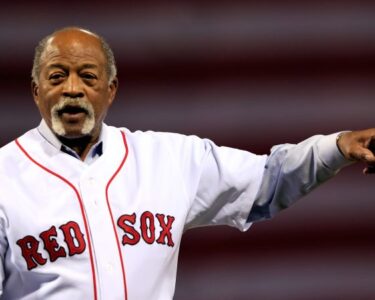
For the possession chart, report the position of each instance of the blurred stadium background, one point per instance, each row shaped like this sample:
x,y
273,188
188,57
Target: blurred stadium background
x,y
246,74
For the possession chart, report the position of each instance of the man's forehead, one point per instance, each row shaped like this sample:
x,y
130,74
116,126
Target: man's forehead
x,y
74,43
74,38
74,33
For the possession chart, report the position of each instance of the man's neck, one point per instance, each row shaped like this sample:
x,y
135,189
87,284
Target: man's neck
x,y
81,145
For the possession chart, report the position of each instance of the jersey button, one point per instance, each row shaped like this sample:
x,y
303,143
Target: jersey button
x,y
109,267
91,181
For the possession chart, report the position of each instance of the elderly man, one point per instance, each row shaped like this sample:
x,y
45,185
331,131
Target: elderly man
x,y
89,211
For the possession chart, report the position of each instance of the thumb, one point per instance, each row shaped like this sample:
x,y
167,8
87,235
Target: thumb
x,y
363,154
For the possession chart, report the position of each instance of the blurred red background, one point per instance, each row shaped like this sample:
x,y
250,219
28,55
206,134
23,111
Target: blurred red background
x,y
246,74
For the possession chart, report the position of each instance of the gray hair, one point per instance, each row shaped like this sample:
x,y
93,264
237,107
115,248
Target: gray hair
x,y
107,51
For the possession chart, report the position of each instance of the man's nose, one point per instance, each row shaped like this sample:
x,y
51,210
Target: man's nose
x,y
73,87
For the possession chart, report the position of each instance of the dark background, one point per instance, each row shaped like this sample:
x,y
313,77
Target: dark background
x,y
246,74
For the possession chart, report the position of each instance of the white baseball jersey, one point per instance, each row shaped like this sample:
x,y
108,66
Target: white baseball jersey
x,y
111,228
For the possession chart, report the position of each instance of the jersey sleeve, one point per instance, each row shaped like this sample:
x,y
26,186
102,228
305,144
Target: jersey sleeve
x,y
223,183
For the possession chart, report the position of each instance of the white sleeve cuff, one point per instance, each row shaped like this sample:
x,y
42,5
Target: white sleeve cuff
x,y
329,153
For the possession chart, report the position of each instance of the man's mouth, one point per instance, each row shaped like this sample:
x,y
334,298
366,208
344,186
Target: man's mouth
x,y
72,110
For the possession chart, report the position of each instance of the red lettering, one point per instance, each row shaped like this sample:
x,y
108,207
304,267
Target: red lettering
x,y
131,236
50,244
148,227
74,238
166,230
29,247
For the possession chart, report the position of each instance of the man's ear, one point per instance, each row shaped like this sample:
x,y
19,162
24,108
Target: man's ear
x,y
113,85
35,91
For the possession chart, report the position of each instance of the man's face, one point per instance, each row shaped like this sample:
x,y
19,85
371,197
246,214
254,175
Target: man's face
x,y
73,93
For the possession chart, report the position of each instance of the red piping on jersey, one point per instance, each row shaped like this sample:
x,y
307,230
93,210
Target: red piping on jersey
x,y
80,204
110,212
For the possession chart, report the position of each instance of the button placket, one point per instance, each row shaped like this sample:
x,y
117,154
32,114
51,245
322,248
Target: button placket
x,y
91,188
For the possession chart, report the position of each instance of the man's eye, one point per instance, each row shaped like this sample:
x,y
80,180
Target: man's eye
x,y
56,76
88,76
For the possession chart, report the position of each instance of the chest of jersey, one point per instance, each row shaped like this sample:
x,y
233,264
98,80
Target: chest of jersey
x,y
119,219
